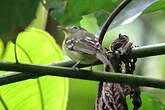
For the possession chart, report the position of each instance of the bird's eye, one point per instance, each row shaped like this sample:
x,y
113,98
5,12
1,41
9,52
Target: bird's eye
x,y
75,27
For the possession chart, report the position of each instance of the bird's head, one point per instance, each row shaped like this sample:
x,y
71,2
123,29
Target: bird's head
x,y
69,30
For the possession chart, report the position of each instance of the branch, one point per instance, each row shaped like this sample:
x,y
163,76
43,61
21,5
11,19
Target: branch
x,y
27,71
111,18
34,71
137,52
149,50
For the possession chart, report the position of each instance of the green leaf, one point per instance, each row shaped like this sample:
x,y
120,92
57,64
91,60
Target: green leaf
x,y
16,14
75,9
41,18
89,22
101,16
71,11
133,10
46,93
156,6
149,102
57,8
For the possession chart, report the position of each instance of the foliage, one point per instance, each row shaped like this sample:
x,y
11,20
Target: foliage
x,y
37,46
15,14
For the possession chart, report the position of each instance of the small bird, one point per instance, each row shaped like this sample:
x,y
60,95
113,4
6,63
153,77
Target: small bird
x,y
82,46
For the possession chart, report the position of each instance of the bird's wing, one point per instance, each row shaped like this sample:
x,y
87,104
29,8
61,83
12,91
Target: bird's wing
x,y
85,43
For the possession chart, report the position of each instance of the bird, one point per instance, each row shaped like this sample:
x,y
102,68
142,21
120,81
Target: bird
x,y
82,46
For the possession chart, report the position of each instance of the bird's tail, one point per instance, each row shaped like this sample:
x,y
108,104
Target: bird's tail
x,y
103,58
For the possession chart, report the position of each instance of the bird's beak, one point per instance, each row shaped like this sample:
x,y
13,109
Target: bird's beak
x,y
63,28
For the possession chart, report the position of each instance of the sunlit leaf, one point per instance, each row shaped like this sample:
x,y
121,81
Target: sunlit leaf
x,y
89,22
41,18
48,92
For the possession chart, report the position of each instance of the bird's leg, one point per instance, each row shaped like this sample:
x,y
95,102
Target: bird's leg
x,y
75,65
91,68
106,68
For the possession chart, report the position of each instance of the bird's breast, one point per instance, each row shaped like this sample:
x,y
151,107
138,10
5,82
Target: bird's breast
x,y
79,56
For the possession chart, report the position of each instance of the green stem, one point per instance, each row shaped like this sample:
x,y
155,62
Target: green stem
x,y
146,51
34,71
27,71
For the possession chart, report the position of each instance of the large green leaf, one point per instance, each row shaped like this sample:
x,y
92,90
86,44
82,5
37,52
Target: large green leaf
x,y
75,9
149,102
16,14
133,10
71,11
57,8
44,93
41,18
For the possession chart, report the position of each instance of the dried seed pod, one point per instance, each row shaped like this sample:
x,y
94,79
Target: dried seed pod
x,y
112,96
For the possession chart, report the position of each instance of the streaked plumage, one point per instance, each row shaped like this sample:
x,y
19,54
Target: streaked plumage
x,y
83,46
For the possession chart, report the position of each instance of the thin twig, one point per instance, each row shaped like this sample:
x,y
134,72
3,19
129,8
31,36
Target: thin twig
x,y
111,18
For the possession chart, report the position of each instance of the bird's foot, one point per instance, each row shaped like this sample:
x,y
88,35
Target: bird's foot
x,y
91,68
75,66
